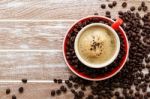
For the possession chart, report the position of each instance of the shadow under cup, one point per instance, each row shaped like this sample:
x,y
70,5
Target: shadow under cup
x,y
73,31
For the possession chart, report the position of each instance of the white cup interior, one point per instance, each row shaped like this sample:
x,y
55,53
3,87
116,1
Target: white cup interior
x,y
102,64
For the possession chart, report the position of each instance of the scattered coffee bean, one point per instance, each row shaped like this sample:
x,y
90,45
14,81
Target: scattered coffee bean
x,y
107,12
53,93
59,81
95,13
55,80
24,80
114,3
8,91
110,5
103,6
21,90
148,94
132,8
139,8
145,8
124,4
14,97
58,92
63,88
143,4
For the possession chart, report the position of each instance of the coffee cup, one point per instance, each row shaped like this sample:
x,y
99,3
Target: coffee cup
x,y
97,45
72,30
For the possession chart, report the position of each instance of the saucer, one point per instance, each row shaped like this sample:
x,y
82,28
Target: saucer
x,y
81,70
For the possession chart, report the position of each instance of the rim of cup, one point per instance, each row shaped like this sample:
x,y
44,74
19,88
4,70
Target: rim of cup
x,y
109,61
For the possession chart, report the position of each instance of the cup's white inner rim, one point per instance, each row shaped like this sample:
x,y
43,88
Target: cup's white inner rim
x,y
102,64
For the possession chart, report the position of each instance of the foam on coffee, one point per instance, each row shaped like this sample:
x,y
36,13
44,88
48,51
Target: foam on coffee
x,y
96,45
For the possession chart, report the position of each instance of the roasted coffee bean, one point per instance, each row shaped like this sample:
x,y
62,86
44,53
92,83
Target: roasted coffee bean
x,y
69,85
21,90
145,8
148,94
24,80
76,86
107,12
139,8
124,4
131,91
114,3
14,97
83,88
55,80
58,92
53,93
143,4
110,5
117,94
95,13
59,81
63,88
137,94
132,8
81,94
103,6
8,91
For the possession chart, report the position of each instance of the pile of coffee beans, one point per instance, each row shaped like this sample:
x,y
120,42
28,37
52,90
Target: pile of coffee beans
x,y
131,82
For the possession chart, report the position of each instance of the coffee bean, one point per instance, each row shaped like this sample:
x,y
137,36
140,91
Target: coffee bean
x,y
8,91
76,86
145,8
59,81
137,94
95,13
53,93
107,12
132,8
124,4
24,80
14,97
21,90
81,94
110,5
139,8
103,6
114,3
63,88
131,91
55,80
143,4
58,92
148,94
117,93
83,88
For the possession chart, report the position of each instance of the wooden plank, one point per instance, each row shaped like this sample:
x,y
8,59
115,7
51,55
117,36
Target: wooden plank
x,y
32,65
33,35
34,91
56,9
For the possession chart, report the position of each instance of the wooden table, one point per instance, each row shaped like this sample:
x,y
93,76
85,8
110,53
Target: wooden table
x,y
31,37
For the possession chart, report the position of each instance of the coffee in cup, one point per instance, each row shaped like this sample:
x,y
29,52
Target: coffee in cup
x,y
97,45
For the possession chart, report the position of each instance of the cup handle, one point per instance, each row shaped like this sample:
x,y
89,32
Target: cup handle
x,y
117,23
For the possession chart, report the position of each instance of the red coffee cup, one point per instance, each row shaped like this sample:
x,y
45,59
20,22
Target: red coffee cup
x,y
116,26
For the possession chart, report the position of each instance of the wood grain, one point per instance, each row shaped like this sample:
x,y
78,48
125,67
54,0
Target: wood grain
x,y
31,37
56,9
32,65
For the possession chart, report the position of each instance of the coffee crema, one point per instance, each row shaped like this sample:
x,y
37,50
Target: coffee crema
x,y
97,45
